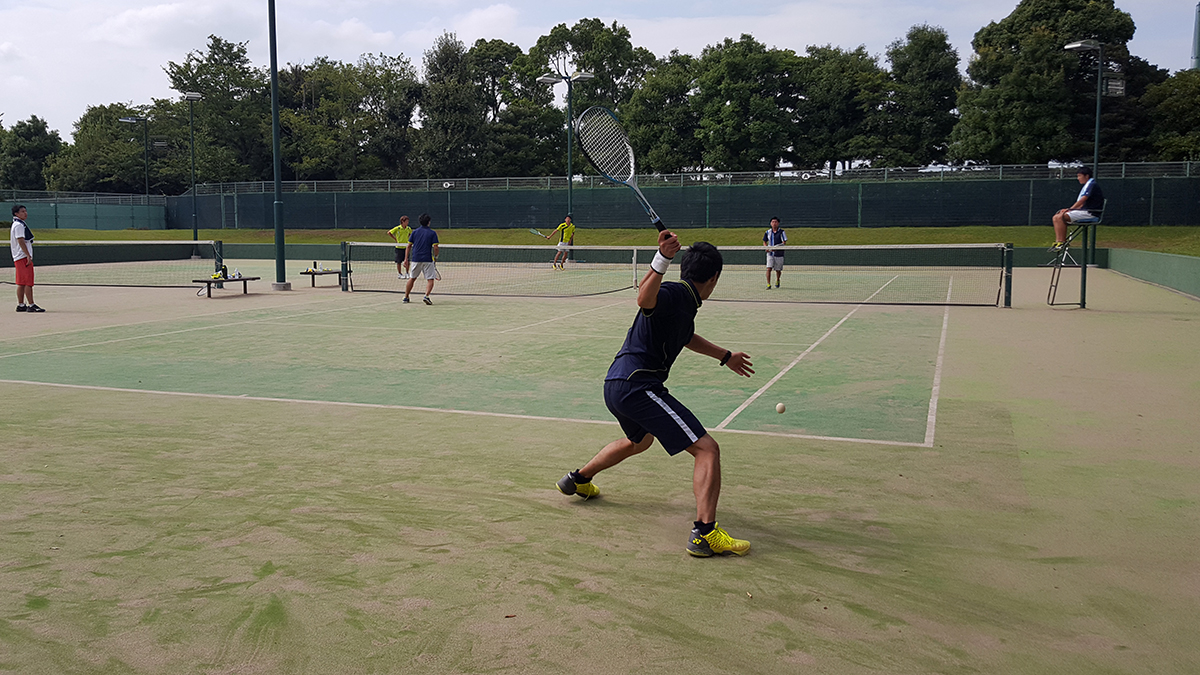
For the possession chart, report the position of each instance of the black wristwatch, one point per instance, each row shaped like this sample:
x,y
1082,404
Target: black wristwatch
x,y
725,359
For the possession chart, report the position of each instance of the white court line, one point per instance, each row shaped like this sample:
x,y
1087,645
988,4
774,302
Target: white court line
x,y
762,390
173,318
180,331
931,420
510,330
810,437
347,404
448,411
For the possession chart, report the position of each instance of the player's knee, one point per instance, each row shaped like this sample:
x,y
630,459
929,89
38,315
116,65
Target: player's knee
x,y
706,446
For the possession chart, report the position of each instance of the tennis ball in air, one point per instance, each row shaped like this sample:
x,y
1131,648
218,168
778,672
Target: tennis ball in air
x,y
779,408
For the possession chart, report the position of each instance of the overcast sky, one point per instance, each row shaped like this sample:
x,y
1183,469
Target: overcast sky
x,y
59,56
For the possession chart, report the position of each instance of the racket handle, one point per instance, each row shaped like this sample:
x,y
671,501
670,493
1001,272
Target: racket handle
x,y
657,222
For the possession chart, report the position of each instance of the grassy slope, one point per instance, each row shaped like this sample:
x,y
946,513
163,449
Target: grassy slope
x,y
1180,240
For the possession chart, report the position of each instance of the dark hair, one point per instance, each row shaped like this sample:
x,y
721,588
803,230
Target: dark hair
x,y
424,220
17,207
777,218
701,262
1085,170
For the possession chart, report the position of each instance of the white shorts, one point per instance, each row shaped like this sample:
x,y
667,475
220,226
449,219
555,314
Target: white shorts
x,y
774,262
429,269
1081,216
562,245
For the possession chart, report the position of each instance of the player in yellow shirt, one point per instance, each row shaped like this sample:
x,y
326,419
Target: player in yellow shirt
x,y
566,239
401,233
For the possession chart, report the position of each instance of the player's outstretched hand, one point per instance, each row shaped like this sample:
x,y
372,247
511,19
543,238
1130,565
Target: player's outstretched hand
x,y
668,243
740,364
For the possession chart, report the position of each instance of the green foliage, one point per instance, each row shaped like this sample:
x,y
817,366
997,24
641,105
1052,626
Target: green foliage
x,y
106,155
925,83
663,121
744,96
452,111
236,112
1029,101
840,113
1175,106
24,152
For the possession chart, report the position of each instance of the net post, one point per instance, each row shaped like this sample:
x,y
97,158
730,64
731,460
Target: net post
x,y
345,276
218,255
1007,255
635,279
1083,269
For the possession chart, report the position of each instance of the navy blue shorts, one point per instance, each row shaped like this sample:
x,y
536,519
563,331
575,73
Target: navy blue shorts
x,y
647,408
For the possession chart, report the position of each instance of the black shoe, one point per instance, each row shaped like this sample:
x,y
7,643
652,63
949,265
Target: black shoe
x,y
34,308
427,300
405,301
22,308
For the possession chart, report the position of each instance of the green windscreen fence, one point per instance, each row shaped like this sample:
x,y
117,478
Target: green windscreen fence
x,y
59,215
971,274
907,203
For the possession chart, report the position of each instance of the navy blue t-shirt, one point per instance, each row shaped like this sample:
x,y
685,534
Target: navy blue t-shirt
x,y
658,335
423,238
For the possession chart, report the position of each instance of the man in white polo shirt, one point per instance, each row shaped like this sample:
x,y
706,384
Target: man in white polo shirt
x,y
21,239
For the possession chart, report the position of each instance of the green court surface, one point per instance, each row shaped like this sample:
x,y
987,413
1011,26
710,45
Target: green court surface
x,y
317,481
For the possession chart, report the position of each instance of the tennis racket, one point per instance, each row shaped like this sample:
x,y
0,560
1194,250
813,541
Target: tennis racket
x,y
607,147
533,231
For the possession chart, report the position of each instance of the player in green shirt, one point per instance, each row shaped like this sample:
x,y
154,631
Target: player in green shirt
x,y
401,233
566,239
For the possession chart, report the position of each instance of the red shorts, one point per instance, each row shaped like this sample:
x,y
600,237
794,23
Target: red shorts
x,y
24,271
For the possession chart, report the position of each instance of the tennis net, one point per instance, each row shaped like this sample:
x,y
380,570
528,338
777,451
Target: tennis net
x,y
954,274
124,263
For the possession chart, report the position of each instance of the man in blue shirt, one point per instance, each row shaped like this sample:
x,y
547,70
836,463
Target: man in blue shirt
x,y
772,238
422,255
636,395
1086,209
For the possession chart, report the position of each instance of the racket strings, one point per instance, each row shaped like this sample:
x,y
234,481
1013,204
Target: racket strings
x,y
606,145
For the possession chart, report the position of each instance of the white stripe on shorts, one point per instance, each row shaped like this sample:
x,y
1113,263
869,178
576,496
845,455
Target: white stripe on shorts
x,y
663,404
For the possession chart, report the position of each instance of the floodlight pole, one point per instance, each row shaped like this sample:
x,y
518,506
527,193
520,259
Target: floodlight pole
x,y
552,79
145,149
281,283
191,97
1098,47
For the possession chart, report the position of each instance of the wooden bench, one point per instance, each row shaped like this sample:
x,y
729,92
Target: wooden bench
x,y
313,274
210,281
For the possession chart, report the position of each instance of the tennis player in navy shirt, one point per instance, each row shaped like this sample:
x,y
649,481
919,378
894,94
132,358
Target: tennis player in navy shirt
x,y
637,396
422,255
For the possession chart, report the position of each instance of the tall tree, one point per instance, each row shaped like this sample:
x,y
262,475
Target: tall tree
x,y
925,83
452,111
106,155
236,110
24,152
491,62
745,98
839,114
1175,107
590,45
1029,101
661,119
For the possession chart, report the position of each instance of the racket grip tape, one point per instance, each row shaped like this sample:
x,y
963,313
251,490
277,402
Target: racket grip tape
x,y
657,222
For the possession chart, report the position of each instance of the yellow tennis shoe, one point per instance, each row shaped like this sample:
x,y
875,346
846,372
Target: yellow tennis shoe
x,y
717,542
568,486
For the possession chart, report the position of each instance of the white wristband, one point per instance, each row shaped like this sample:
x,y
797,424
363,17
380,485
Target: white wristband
x,y
660,263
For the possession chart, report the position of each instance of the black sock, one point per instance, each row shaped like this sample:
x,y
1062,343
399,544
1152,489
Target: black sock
x,y
704,528
579,478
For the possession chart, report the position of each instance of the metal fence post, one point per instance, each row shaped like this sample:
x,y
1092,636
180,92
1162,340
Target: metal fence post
x,y
1008,267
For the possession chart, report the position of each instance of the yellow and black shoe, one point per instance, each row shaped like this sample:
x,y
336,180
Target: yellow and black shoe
x,y
717,542
568,486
